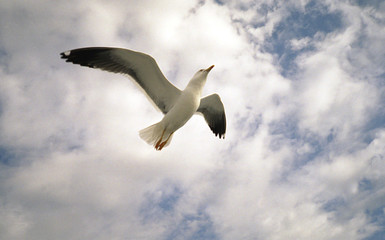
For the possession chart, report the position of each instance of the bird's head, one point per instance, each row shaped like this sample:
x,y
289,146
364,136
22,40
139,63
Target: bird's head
x,y
202,73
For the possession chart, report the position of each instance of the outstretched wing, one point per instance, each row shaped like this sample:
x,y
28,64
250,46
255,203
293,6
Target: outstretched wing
x,y
141,67
214,113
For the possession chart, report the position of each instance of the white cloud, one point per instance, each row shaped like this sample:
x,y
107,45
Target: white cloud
x,y
298,44
301,158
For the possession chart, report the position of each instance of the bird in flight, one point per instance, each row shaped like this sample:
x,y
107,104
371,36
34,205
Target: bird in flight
x,y
176,105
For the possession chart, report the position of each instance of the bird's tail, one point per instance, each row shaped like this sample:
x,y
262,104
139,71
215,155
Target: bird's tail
x,y
156,135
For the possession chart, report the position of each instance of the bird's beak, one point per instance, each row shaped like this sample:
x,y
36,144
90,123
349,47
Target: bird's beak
x,y
209,69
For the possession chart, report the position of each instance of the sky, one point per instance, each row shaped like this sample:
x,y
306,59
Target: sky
x,y
303,86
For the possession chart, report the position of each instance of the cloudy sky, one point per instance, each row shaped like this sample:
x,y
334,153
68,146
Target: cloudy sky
x,y
303,86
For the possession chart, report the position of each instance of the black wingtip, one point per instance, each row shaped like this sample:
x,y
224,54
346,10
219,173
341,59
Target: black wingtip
x,y
86,57
65,55
220,135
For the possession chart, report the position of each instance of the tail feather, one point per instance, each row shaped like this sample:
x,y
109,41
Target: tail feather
x,y
151,134
156,135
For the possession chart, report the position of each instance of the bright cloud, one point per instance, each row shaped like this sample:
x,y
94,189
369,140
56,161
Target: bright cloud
x,y
302,84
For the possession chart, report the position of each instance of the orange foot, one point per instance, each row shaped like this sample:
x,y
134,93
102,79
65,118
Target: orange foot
x,y
159,145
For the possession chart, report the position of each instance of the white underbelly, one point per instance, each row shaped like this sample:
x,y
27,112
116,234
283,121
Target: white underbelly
x,y
182,111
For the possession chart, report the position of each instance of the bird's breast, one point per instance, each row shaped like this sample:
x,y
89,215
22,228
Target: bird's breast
x,y
186,105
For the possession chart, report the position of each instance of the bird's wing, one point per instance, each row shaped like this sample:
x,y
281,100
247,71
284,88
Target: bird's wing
x,y
214,113
141,67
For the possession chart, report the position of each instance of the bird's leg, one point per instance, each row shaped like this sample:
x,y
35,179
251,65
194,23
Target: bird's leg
x,y
159,141
164,143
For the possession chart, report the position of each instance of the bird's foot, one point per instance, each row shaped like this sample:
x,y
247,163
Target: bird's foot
x,y
159,145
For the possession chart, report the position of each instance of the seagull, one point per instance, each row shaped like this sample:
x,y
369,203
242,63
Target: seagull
x,y
176,105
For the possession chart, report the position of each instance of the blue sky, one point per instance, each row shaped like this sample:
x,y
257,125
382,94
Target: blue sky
x,y
303,87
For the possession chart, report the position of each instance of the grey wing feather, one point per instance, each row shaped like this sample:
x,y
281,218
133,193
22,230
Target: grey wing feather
x,y
141,67
214,113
